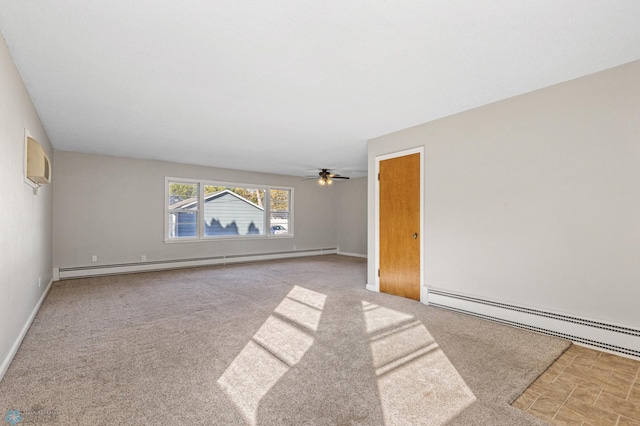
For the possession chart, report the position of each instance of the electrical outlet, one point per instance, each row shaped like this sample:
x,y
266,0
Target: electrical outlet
x,y
94,258
294,247
39,281
144,258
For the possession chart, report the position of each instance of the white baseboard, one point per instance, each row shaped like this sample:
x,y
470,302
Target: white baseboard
x,y
611,337
424,295
127,268
12,353
371,287
346,253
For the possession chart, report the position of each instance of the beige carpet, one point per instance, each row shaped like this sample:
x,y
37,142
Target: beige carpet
x,y
297,342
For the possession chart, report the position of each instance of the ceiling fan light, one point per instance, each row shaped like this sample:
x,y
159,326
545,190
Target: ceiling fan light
x,y
329,181
321,181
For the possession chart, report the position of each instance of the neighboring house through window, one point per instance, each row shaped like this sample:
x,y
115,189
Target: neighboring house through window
x,y
205,209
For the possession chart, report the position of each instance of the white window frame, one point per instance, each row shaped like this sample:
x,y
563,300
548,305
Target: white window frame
x,y
290,211
200,237
167,215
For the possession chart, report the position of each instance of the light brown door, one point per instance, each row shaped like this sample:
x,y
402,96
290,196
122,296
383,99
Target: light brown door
x,y
400,226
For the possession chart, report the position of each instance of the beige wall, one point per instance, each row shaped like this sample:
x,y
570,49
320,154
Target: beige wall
x,y
352,216
114,208
535,200
25,233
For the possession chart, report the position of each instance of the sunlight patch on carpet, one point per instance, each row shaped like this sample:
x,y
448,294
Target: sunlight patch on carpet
x,y
300,313
309,297
249,378
417,383
283,340
377,317
276,347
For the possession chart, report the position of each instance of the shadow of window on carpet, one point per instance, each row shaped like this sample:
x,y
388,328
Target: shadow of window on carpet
x,y
416,381
274,349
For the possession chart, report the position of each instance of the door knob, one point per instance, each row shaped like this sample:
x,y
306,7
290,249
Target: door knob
x,y
415,235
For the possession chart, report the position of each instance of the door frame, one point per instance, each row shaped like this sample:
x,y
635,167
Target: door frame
x,y
379,158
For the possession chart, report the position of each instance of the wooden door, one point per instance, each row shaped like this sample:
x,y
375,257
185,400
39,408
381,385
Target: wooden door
x,y
400,226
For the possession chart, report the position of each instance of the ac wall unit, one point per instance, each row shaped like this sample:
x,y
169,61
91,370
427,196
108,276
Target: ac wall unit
x,y
38,165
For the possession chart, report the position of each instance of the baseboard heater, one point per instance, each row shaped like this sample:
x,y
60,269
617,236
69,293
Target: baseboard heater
x,y
611,337
126,268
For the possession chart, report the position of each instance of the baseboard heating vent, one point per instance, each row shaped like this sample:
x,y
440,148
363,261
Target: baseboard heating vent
x,y
612,337
125,268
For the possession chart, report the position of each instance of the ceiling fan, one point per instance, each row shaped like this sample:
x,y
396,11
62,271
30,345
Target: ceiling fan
x,y
325,177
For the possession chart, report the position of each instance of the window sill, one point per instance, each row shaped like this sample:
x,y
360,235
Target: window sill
x,y
238,238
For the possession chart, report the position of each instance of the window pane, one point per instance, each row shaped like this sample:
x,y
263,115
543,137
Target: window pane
x,y
182,203
279,200
279,223
183,224
233,211
279,212
182,191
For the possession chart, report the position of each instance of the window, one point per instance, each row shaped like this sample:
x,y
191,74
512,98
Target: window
x,y
279,211
197,210
183,209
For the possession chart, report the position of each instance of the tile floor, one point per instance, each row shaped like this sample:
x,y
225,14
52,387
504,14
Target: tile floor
x,y
586,387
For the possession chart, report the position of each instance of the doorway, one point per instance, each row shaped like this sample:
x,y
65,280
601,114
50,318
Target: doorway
x,y
399,224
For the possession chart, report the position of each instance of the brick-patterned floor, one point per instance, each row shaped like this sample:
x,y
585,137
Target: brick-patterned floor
x,y
586,387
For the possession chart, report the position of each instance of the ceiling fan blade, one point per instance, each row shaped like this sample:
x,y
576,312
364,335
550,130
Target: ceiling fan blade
x,y
327,175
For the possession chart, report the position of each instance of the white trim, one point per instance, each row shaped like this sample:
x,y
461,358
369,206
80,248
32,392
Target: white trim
x,y
209,239
616,338
92,271
346,253
16,345
28,181
379,158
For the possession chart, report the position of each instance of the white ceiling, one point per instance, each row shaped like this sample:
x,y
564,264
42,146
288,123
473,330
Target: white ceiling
x,y
286,86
